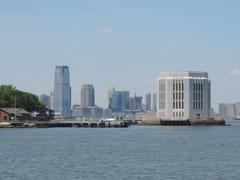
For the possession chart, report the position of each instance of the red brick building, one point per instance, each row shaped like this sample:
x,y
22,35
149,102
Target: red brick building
x,y
7,114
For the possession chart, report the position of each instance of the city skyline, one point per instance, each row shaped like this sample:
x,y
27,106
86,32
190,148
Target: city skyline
x,y
121,44
104,102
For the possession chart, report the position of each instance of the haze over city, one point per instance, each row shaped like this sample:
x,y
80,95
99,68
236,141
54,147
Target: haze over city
x,y
122,44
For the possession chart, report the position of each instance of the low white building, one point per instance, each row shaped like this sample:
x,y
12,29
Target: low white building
x,y
184,96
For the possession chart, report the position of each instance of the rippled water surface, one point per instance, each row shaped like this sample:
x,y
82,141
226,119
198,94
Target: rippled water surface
x,y
133,153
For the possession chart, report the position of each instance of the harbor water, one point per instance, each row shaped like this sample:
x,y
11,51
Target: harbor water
x,y
139,152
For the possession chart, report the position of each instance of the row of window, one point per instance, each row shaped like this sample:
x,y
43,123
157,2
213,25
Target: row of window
x,y
178,95
198,105
198,86
162,94
197,96
178,114
178,85
178,105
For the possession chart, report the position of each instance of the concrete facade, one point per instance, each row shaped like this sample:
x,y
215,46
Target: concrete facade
x,y
184,96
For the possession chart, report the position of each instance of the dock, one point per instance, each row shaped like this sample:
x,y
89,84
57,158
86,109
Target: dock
x,y
62,124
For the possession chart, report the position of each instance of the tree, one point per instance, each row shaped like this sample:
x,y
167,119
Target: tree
x,y
25,100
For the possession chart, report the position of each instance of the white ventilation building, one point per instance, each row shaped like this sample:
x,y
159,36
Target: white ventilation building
x,y
184,96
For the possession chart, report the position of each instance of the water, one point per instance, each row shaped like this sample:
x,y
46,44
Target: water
x,y
146,153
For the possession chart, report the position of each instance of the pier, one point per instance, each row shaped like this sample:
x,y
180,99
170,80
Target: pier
x,y
70,123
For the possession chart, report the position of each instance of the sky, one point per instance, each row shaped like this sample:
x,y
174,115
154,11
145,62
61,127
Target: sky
x,y
122,44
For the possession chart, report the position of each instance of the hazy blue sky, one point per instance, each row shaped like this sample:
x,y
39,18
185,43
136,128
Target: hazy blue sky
x,y
119,43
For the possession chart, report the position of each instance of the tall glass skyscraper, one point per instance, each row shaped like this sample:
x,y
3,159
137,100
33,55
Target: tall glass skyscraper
x,y
62,92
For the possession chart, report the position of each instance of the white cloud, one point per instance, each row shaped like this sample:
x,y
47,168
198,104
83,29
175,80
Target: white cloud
x,y
106,30
235,72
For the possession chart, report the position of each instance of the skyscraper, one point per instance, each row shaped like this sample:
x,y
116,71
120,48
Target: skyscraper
x,y
223,109
154,100
135,103
120,101
87,95
62,92
148,102
51,100
184,95
110,94
231,110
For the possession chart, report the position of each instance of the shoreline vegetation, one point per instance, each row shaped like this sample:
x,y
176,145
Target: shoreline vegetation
x,y
10,97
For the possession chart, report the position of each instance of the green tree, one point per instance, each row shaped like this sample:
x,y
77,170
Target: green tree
x,y
25,100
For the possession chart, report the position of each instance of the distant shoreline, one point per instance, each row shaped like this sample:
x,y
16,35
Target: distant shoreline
x,y
114,124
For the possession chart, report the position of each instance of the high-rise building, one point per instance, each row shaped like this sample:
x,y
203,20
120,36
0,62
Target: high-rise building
x,y
87,113
237,110
110,93
51,100
45,99
223,109
231,110
87,95
154,104
62,92
148,102
184,96
135,103
120,101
